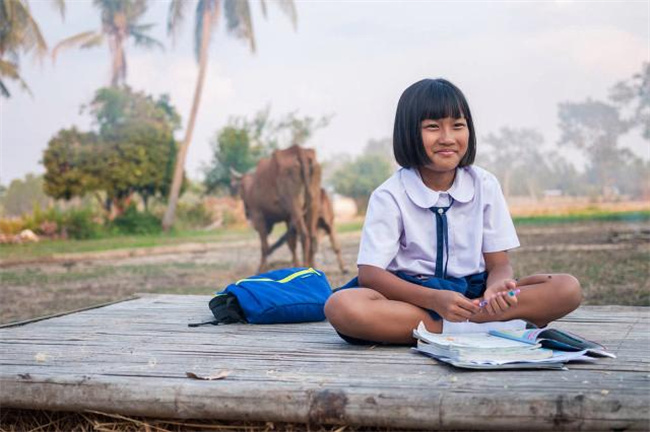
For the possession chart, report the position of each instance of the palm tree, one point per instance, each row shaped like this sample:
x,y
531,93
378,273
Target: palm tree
x,y
239,23
19,33
119,22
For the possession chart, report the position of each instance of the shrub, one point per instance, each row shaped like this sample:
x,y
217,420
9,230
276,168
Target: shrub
x,y
194,215
134,222
80,224
11,226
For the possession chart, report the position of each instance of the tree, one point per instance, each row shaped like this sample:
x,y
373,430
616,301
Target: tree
x,y
357,179
23,195
19,34
596,127
511,152
132,152
634,94
232,148
120,21
66,161
242,143
240,24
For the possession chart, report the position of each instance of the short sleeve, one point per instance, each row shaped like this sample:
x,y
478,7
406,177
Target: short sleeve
x,y
381,233
498,229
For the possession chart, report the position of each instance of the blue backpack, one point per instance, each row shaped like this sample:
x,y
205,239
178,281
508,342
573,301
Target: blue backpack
x,y
280,296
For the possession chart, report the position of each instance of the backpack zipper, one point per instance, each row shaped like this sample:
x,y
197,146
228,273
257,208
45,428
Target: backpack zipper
x,y
292,276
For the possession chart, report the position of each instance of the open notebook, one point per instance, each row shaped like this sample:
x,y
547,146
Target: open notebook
x,y
482,346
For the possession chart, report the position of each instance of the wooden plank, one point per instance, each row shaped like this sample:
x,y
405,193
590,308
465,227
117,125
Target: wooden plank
x,y
131,358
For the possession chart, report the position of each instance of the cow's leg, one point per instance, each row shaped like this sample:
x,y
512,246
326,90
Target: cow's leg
x,y
292,242
263,230
329,228
298,222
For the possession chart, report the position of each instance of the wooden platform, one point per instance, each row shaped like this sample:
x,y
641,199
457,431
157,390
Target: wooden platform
x,y
132,358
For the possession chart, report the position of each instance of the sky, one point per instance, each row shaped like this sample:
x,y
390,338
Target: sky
x,y
515,62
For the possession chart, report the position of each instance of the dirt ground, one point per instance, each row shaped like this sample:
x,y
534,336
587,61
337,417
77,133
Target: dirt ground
x,y
610,259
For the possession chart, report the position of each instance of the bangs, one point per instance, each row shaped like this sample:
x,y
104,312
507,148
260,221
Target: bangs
x,y
441,100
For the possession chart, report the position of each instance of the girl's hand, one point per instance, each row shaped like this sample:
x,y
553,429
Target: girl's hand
x,y
453,306
500,297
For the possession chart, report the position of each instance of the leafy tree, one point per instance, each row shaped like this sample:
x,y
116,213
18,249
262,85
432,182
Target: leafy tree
x,y
358,178
22,196
66,161
595,127
634,94
132,153
510,154
19,34
232,148
239,23
300,129
120,21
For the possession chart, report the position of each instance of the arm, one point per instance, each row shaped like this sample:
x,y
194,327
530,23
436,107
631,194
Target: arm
x,y
450,305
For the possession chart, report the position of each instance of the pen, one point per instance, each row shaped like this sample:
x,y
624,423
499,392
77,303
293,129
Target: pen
x,y
510,293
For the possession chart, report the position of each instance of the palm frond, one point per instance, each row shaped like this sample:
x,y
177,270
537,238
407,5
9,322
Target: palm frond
x,y
238,20
175,16
92,42
3,90
82,39
263,7
141,39
10,70
60,6
289,9
198,27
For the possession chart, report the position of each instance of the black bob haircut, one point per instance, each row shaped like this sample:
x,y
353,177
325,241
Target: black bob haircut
x,y
428,99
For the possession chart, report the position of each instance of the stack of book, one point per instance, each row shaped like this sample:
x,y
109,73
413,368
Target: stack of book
x,y
498,348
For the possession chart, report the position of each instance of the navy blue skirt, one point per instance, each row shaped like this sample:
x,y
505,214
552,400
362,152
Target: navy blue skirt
x,y
472,287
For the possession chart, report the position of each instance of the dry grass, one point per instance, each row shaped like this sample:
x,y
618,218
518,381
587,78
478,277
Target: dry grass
x,y
15,420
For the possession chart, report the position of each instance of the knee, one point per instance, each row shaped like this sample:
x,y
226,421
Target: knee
x,y
337,308
570,290
345,309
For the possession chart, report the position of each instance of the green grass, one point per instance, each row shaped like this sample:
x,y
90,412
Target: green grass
x,y
595,215
48,248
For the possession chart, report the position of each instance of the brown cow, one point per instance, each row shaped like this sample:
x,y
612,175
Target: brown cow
x,y
325,223
285,188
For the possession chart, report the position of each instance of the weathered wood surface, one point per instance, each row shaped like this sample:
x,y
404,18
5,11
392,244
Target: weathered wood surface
x,y
132,357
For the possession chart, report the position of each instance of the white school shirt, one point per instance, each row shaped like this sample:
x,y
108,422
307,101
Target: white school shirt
x,y
399,232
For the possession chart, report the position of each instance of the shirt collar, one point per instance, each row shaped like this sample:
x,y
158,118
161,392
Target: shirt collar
x,y
462,190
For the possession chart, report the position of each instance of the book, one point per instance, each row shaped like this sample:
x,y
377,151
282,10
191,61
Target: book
x,y
487,349
555,339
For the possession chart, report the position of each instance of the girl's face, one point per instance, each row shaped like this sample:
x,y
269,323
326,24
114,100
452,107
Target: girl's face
x,y
445,142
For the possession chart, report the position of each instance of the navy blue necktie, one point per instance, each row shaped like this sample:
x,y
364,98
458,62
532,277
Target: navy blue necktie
x,y
442,239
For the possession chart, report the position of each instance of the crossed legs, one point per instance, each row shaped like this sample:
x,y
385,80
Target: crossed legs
x,y
366,314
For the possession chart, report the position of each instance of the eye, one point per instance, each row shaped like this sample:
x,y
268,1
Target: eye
x,y
460,125
431,126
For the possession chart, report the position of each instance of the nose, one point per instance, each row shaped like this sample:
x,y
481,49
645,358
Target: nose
x,y
446,136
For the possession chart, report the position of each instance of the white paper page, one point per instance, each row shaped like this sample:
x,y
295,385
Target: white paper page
x,y
449,327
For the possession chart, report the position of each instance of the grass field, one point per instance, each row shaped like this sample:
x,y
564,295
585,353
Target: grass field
x,y
610,255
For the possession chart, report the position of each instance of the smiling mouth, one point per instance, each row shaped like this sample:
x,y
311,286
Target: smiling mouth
x,y
445,152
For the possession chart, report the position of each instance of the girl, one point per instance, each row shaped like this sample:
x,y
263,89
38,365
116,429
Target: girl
x,y
436,236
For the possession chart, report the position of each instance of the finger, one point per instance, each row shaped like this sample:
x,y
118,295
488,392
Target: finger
x,y
501,301
491,306
511,284
494,304
464,313
468,305
511,298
